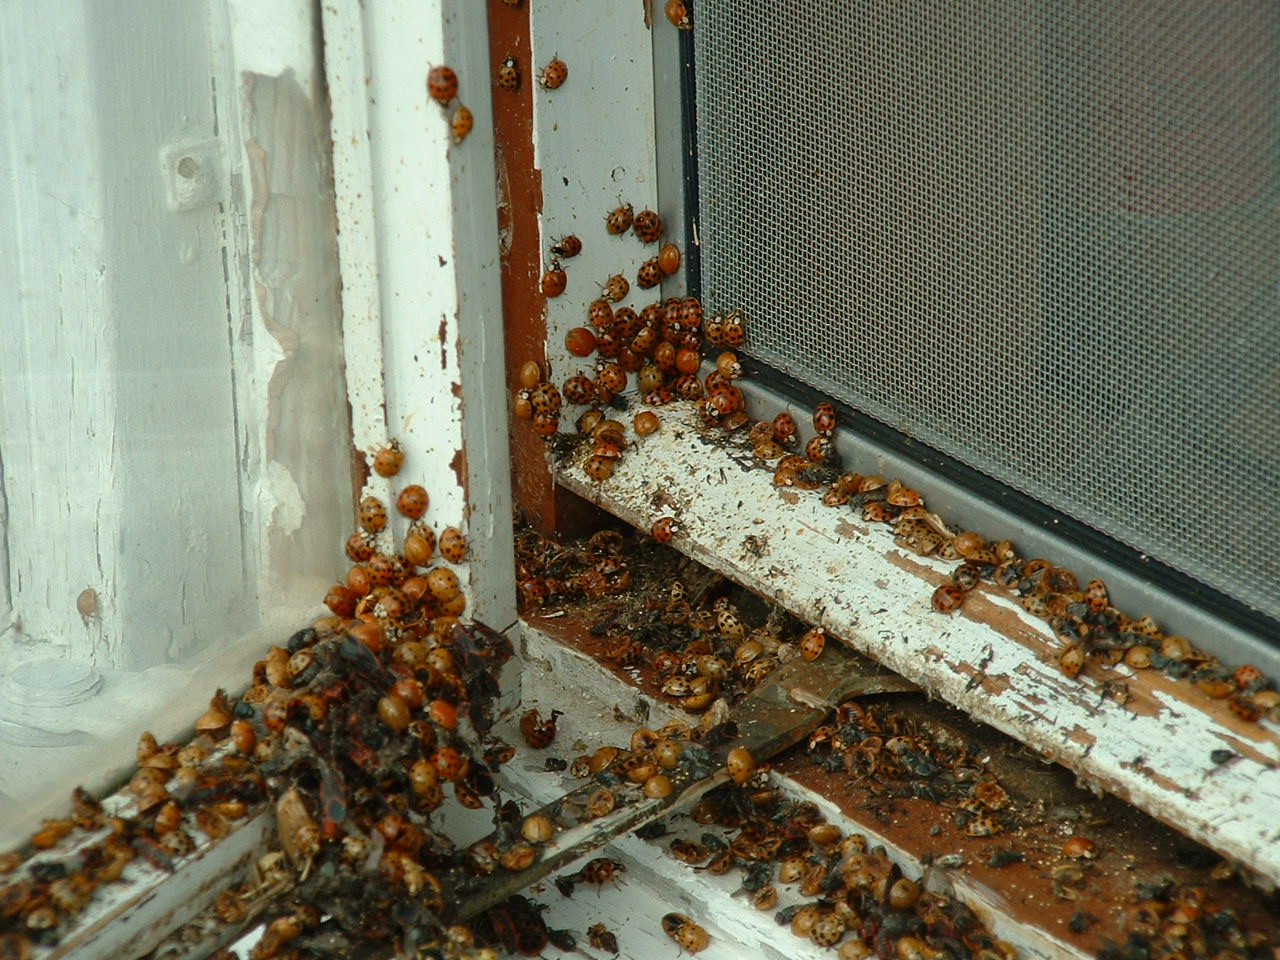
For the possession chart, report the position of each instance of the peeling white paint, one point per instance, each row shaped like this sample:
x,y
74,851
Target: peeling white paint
x,y
991,660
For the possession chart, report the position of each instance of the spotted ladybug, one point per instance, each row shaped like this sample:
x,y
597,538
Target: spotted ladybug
x,y
453,545
567,246
388,460
546,398
538,733
615,288
948,598
735,331
554,281
579,389
663,529
554,74
647,225
784,428
442,84
373,515
813,643
509,74
649,275
598,469
824,419
413,501
619,220
462,123
818,449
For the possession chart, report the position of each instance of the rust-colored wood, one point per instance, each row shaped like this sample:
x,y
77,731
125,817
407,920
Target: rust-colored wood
x,y
519,204
548,508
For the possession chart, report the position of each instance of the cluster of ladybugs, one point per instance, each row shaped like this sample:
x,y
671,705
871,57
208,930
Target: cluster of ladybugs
x,y
848,896
1082,618
353,737
389,591
880,747
442,87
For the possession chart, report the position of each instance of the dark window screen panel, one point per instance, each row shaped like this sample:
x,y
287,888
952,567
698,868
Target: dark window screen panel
x,y
1040,237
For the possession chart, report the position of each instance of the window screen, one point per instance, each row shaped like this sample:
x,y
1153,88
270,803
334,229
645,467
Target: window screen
x,y
1040,237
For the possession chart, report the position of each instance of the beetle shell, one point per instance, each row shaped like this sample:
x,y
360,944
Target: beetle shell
x,y
508,75
740,764
462,124
663,529
647,225
554,74
442,84
619,219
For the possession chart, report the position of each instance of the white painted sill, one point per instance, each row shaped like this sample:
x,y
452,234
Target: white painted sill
x,y
992,660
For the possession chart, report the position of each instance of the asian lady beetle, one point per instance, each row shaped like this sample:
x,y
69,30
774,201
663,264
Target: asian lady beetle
x,y
388,460
647,225
615,288
419,544
554,281
784,428
600,315
663,529
824,419
509,74
450,764
580,342
735,331
579,389
619,220
546,398
361,546
599,469
713,329
612,377
538,733
689,935
567,246
413,501
442,84
626,321
649,275
948,597
669,258
728,365
601,870
677,14
373,515
554,74
813,643
818,449
462,123
740,765
546,425
453,545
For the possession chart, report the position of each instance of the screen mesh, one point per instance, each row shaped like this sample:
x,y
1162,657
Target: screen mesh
x,y
1040,237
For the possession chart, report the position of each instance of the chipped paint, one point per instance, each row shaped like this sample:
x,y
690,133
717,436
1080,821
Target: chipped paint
x,y
878,600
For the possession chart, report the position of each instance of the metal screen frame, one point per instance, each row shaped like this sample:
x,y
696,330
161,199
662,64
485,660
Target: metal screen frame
x,y
1138,581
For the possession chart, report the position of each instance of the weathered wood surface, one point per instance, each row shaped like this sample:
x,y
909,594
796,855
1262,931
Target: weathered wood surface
x,y
1142,737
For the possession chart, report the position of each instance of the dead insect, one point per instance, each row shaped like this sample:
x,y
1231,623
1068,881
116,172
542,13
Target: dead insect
x,y
598,936
538,733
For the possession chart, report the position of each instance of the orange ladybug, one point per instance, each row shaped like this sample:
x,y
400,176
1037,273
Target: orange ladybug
x,y
442,84
509,74
647,225
663,529
538,733
619,220
554,74
567,246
